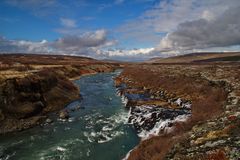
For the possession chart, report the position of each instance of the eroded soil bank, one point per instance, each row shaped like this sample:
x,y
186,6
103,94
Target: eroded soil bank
x,y
210,92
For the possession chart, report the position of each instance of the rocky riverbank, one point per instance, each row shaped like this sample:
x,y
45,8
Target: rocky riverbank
x,y
31,88
193,106
216,138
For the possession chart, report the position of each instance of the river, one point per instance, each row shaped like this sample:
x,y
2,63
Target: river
x,y
98,132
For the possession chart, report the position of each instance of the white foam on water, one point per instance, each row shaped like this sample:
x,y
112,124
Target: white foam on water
x,y
148,115
107,128
93,134
117,133
99,121
106,140
90,140
85,134
178,101
162,125
102,136
110,128
88,136
124,100
87,117
118,118
61,149
118,92
71,119
89,126
68,143
187,105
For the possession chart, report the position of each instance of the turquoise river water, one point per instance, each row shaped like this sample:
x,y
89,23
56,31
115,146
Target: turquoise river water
x,y
98,132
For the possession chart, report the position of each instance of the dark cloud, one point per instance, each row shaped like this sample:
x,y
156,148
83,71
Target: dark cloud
x,y
165,15
72,42
87,43
222,31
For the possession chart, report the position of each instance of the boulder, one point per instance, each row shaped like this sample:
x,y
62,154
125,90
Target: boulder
x,y
63,114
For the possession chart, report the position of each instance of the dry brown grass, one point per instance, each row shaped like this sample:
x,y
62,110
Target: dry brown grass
x,y
186,82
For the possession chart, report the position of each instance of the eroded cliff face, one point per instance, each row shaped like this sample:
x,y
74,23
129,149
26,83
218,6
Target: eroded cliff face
x,y
25,101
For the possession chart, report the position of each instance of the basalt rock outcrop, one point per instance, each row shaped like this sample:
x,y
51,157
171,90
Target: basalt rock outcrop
x,y
25,101
145,118
151,112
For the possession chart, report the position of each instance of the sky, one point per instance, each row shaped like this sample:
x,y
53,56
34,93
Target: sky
x,y
129,30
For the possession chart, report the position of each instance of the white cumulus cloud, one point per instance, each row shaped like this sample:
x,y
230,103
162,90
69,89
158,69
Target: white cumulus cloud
x,y
23,46
222,31
88,44
165,16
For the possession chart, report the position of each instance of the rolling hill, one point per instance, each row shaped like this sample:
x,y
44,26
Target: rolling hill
x,y
200,58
